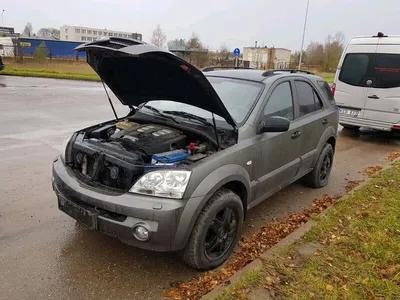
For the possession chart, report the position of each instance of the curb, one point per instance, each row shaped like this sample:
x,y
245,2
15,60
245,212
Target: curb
x,y
257,264
292,238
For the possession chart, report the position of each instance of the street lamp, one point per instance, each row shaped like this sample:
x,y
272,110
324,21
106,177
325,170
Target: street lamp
x,y
2,17
304,33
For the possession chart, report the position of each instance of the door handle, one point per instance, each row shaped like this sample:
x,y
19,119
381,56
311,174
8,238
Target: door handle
x,y
296,134
325,121
373,97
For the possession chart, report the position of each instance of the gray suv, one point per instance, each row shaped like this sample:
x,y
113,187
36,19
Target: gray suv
x,y
197,150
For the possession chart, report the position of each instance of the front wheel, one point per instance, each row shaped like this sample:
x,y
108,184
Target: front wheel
x,y
216,231
319,176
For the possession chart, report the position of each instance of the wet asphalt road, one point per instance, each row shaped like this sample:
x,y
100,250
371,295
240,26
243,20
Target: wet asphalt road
x,y
44,255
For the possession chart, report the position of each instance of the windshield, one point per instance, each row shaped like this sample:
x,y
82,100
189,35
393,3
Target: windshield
x,y
238,97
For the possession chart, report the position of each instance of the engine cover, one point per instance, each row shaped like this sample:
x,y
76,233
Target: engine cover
x,y
152,138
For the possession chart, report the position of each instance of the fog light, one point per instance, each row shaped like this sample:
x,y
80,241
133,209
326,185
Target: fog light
x,y
141,233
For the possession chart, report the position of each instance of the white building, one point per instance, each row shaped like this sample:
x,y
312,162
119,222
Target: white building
x,y
267,58
87,34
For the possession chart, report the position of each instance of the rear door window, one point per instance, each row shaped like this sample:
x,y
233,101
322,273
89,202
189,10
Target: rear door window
x,y
387,70
356,68
307,98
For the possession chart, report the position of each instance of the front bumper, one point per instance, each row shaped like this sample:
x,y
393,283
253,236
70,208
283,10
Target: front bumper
x,y
117,214
360,122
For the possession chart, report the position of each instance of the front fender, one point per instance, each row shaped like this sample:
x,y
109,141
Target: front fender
x,y
204,191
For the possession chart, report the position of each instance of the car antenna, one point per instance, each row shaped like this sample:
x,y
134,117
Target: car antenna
x,y
215,129
109,100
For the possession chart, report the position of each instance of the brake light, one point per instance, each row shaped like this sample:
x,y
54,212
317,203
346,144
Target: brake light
x,y
396,126
333,89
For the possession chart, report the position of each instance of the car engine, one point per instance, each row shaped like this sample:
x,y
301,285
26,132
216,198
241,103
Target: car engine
x,y
116,155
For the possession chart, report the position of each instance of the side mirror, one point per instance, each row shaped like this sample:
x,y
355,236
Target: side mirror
x,y
273,124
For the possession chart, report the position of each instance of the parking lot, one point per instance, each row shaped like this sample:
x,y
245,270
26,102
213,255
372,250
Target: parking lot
x,y
45,255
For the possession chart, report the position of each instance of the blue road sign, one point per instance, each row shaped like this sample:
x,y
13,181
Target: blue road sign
x,y
236,52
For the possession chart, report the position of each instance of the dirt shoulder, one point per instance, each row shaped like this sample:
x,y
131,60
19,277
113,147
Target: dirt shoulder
x,y
352,251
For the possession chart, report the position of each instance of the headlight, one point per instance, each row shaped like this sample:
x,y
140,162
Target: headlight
x,y
163,183
64,147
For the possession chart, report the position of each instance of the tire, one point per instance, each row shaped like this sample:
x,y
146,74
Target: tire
x,y
197,253
319,176
350,127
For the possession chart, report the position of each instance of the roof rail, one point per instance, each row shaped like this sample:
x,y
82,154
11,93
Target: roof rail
x,y
208,69
275,72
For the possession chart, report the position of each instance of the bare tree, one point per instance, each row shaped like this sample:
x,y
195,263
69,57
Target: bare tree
x,y
224,52
315,54
177,44
28,29
159,38
194,42
49,32
333,50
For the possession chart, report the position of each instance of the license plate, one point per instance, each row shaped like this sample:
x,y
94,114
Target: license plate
x,y
82,215
349,112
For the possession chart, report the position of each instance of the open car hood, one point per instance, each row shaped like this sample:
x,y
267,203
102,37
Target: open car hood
x,y
137,72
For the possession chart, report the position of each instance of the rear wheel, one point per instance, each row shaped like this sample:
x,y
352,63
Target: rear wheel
x,y
319,176
216,231
350,127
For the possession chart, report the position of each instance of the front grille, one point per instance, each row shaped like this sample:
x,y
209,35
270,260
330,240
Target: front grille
x,y
106,165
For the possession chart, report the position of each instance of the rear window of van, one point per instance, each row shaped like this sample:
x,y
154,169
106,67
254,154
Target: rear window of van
x,y
381,68
355,68
387,70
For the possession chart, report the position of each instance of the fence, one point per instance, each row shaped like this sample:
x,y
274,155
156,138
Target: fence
x,y
21,48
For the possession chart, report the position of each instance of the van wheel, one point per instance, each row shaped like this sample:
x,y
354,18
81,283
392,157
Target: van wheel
x,y
319,176
350,127
216,231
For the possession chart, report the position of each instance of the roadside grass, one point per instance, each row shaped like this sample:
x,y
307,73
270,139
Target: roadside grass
x,y
70,70
359,254
75,71
251,278
329,78
46,74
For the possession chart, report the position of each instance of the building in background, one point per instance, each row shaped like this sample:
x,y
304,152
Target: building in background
x,y
86,34
266,58
8,32
54,48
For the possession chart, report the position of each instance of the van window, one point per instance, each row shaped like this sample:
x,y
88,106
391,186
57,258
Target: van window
x,y
387,70
354,68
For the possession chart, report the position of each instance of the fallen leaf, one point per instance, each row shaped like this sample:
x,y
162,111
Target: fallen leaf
x,y
329,287
394,155
371,170
251,247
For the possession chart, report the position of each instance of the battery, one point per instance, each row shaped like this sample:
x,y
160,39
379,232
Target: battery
x,y
170,156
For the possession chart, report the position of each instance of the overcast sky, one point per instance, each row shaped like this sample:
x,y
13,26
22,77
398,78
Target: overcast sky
x,y
236,23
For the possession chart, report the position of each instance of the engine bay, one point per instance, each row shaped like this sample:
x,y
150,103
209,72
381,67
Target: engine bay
x,y
116,155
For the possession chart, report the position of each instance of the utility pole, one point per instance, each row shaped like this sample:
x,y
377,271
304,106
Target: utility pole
x,y
2,17
304,33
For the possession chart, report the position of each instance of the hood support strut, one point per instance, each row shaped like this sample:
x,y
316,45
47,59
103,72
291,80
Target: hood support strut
x,y
215,130
109,100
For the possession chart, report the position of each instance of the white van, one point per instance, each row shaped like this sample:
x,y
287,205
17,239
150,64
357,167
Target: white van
x,y
367,83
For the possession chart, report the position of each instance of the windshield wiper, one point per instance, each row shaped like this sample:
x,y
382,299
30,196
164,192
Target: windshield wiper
x,y
188,116
157,112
